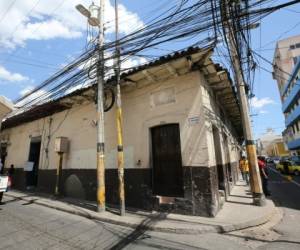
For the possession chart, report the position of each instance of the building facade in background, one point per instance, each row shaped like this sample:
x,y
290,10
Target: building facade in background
x,y
277,148
286,70
291,110
285,59
271,144
6,106
182,134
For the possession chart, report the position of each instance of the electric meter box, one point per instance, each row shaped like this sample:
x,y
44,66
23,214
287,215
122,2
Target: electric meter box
x,y
61,145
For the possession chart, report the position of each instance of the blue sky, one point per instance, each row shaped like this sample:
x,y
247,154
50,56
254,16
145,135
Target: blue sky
x,y
37,37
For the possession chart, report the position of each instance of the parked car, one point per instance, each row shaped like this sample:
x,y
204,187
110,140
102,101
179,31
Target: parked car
x,y
276,159
288,167
296,159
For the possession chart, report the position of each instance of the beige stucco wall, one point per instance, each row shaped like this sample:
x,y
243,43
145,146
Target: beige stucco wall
x,y
283,58
76,124
212,113
140,114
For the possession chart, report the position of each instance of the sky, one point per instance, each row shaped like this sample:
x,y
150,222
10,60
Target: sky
x,y
38,37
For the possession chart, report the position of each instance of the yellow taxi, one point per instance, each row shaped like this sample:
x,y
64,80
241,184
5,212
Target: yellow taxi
x,y
289,166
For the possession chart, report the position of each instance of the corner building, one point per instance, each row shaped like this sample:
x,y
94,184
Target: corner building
x,y
182,133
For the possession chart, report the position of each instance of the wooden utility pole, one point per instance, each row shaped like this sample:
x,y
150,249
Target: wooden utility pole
x,y
100,117
119,118
255,180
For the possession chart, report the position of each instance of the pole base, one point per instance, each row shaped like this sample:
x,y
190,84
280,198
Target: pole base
x,y
100,209
122,211
259,199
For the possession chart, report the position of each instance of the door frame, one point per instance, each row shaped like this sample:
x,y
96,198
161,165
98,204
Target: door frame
x,y
218,158
152,160
35,139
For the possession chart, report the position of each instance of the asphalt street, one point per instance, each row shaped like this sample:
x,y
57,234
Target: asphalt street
x,y
26,225
29,226
286,195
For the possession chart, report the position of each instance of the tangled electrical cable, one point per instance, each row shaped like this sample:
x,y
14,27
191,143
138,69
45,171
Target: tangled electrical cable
x,y
200,22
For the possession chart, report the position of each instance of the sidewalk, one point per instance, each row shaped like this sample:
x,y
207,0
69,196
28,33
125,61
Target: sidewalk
x,y
237,213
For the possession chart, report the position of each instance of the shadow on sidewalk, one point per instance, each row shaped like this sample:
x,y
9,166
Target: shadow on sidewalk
x,y
241,196
125,238
139,233
30,202
11,200
262,240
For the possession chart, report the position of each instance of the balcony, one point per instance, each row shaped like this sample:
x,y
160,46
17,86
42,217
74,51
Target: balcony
x,y
293,116
291,97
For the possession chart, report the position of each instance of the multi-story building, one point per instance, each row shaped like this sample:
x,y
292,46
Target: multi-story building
x,y
285,58
291,109
286,65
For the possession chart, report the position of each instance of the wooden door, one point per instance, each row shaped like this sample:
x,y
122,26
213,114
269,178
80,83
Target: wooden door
x,y
34,156
167,162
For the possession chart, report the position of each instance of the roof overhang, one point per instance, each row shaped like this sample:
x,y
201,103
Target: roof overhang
x,y
162,69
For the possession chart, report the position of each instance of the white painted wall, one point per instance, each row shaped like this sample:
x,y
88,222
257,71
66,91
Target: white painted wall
x,y
187,96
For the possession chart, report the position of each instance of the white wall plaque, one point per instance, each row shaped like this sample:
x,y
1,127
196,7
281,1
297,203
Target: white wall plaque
x,y
194,120
28,166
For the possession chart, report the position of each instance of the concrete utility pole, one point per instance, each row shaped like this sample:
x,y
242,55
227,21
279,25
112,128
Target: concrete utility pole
x,y
255,180
100,117
95,17
119,118
58,174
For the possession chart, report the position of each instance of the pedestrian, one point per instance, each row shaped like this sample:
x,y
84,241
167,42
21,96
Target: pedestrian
x,y
264,175
244,167
11,172
1,167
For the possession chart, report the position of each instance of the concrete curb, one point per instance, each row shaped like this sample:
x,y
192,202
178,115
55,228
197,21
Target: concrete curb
x,y
148,222
251,223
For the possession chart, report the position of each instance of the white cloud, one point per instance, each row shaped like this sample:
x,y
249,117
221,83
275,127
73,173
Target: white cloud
x,y
26,90
260,103
6,75
51,19
48,29
263,112
128,21
133,62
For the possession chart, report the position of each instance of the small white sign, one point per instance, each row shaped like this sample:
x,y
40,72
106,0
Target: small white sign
x,y
193,120
3,183
28,166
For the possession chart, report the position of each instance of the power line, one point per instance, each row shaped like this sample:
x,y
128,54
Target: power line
x,y
7,10
38,1
20,23
181,22
282,34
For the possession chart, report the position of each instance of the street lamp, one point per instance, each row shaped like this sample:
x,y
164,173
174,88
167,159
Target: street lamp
x,y
92,14
95,18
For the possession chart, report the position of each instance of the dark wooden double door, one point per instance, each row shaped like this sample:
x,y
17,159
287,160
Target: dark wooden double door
x,y
167,174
